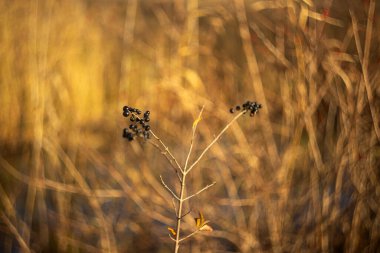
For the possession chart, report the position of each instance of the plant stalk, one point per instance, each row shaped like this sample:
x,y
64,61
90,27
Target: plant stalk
x,y
179,214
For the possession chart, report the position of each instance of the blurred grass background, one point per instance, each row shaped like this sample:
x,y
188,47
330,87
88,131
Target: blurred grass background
x,y
302,176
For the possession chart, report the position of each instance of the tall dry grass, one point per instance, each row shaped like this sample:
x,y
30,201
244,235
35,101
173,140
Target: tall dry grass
x,y
302,176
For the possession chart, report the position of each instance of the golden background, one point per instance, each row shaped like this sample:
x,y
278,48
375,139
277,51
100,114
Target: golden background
x,y
300,176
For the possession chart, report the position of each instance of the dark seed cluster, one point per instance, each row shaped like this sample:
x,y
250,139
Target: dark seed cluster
x,y
252,107
139,125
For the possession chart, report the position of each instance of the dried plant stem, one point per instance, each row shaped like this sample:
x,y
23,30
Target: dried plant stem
x,y
190,235
166,152
14,231
183,186
214,141
367,45
363,57
168,188
168,157
192,138
200,191
187,170
179,214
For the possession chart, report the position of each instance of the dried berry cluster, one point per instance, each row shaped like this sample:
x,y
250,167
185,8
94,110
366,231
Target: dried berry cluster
x,y
253,107
139,124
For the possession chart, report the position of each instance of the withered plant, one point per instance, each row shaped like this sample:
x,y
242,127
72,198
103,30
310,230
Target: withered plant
x,y
140,128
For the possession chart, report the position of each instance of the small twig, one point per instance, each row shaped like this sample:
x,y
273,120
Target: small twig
x,y
167,150
171,237
195,124
185,214
190,235
168,158
167,188
215,140
198,192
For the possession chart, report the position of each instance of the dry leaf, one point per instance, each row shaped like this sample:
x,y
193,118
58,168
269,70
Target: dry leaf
x,y
172,231
206,228
200,221
195,123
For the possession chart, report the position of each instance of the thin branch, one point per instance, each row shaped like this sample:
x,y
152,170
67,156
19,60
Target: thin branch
x,y
166,150
185,214
179,214
165,154
190,235
195,124
198,192
167,188
215,140
171,237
